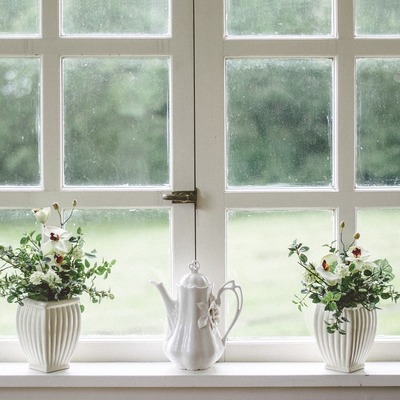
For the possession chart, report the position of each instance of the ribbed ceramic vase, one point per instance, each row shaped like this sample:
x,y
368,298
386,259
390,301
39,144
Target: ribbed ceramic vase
x,y
345,353
48,332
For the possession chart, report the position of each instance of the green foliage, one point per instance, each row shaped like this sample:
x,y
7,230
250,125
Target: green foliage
x,y
343,279
277,17
275,137
116,112
141,17
76,274
19,116
51,270
19,17
378,117
116,121
377,17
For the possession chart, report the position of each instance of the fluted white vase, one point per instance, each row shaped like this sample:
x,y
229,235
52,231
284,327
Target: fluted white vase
x,y
48,332
345,353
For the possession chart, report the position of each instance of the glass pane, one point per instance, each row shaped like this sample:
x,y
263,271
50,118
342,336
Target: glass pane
x,y
140,244
116,121
257,256
380,231
20,17
98,17
378,118
19,121
277,17
279,128
377,17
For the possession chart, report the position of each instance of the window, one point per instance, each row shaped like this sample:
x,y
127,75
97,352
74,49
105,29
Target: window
x,y
283,114
305,97
97,105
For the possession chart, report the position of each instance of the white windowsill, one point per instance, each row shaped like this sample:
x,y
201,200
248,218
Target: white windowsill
x,y
220,375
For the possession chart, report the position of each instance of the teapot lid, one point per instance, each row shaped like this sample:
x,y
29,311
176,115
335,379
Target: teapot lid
x,y
194,278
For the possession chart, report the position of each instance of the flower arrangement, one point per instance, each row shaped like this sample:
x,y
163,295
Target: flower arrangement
x,y
51,265
344,278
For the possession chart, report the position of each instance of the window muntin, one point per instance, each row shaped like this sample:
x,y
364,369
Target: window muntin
x,y
378,141
116,121
115,18
279,18
279,122
20,121
377,18
19,18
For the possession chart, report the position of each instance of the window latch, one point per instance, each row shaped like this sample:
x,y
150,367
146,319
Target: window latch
x,y
182,197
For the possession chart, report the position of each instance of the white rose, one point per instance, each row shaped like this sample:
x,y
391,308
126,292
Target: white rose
x,y
51,278
342,270
78,253
36,278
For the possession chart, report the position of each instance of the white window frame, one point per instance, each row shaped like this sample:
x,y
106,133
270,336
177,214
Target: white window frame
x,y
205,112
344,199
52,47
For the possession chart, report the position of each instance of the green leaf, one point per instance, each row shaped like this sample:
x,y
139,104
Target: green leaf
x,y
303,258
10,299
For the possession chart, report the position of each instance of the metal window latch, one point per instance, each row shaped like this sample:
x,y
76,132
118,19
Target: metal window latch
x,y
182,197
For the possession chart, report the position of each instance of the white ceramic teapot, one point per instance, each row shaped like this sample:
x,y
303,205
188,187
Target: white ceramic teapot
x,y
193,341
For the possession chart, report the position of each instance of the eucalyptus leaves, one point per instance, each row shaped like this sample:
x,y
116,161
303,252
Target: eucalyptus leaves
x,y
51,265
344,278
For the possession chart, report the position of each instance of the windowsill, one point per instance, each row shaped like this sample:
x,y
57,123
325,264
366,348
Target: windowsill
x,y
221,375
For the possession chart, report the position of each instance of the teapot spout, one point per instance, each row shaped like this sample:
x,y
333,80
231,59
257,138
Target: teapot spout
x,y
170,305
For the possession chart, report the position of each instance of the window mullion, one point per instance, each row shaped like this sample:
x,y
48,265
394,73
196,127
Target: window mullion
x,y
182,143
51,98
345,116
209,84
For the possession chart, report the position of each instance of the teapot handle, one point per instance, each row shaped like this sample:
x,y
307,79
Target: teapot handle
x,y
231,285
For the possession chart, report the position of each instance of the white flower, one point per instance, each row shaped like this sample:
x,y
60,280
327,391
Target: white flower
x,y
369,266
51,278
357,254
210,314
57,241
42,214
36,278
342,270
308,277
78,253
327,265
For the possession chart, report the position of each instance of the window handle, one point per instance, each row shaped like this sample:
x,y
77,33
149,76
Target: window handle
x,y
182,197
